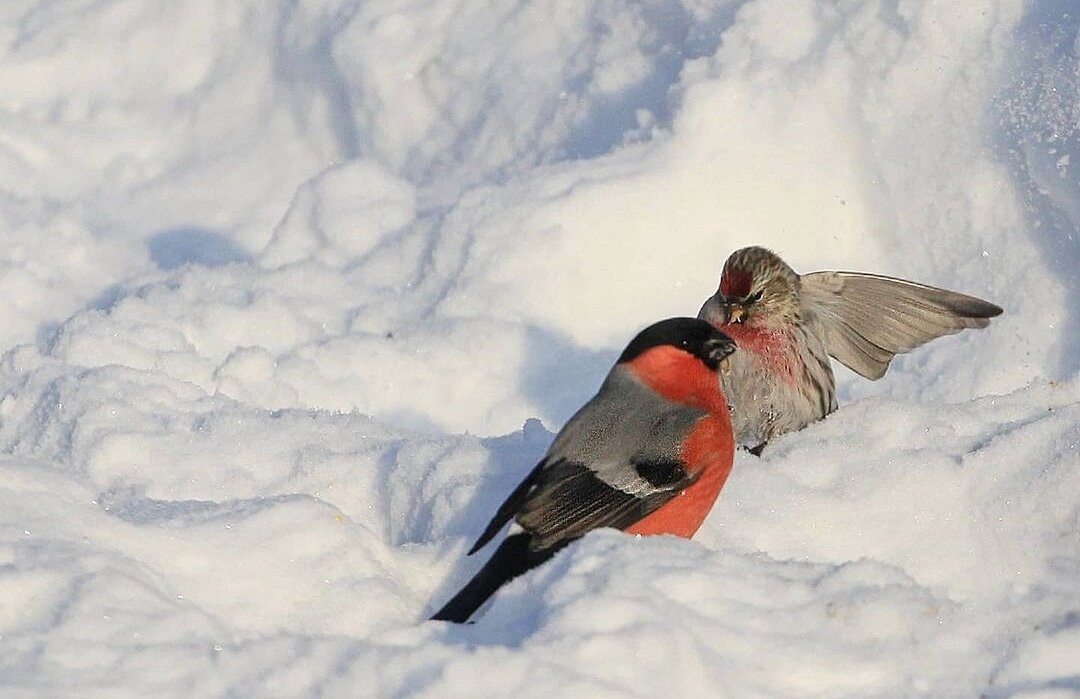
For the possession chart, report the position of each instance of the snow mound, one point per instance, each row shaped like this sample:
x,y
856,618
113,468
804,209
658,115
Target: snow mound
x,y
296,292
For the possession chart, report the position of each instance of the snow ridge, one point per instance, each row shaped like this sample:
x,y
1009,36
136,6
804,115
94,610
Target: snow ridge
x,y
296,292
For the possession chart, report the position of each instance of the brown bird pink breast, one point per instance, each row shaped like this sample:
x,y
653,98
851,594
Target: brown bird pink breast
x,y
787,326
773,349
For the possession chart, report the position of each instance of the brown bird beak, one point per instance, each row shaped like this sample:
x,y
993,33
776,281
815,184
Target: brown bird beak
x,y
720,312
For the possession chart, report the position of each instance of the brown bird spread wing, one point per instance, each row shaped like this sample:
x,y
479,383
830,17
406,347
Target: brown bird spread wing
x,y
866,319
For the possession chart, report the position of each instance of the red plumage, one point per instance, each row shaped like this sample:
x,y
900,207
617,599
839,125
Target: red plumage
x,y
707,449
774,350
735,282
648,455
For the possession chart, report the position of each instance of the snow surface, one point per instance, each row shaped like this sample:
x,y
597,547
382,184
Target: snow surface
x,y
285,284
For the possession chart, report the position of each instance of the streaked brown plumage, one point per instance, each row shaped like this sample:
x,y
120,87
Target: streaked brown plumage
x,y
788,325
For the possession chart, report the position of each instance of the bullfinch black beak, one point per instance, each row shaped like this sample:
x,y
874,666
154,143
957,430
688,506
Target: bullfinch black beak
x,y
717,351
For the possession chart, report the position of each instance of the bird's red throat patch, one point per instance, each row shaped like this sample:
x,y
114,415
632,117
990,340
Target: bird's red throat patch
x,y
774,349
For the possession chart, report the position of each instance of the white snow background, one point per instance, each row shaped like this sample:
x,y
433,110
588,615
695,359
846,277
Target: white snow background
x,y
282,280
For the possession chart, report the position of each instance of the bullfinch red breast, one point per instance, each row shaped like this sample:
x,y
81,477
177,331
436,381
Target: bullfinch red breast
x,y
647,455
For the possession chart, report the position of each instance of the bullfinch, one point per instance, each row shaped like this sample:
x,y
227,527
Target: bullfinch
x,y
647,455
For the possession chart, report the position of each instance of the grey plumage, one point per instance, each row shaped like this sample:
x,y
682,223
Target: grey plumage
x,y
620,458
624,419
866,319
787,326
608,440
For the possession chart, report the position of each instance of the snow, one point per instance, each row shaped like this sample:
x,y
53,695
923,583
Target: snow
x,y
296,292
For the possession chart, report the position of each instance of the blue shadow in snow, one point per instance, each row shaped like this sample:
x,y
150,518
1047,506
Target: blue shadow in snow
x,y
678,37
510,459
1039,141
169,249
559,375
176,247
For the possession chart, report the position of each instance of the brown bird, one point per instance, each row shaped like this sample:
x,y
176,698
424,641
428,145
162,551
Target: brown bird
x,y
788,325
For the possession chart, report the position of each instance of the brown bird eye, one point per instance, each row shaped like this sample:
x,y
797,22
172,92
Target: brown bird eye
x,y
755,298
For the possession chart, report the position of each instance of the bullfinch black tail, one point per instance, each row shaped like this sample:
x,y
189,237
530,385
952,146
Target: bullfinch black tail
x,y
511,559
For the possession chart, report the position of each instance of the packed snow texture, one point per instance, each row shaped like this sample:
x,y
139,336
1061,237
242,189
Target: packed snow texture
x,y
295,292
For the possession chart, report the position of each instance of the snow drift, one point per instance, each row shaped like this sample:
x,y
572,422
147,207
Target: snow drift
x,y
295,292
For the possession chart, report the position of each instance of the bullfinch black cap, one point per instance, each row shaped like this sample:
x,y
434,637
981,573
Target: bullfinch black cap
x,y
691,335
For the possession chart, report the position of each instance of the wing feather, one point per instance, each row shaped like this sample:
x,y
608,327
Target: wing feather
x,y
570,500
617,460
508,508
866,319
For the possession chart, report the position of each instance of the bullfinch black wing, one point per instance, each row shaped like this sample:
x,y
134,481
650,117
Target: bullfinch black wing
x,y
620,458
